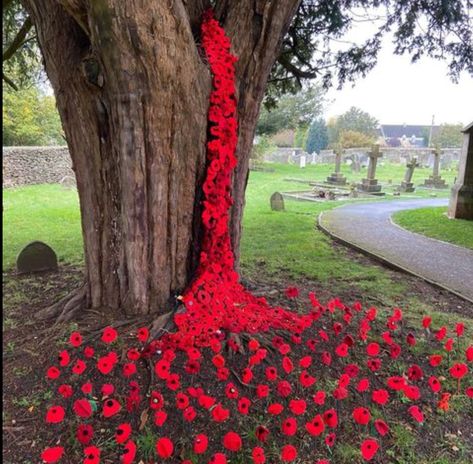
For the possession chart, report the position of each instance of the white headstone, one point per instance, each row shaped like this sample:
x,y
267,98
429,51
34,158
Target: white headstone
x,y
302,161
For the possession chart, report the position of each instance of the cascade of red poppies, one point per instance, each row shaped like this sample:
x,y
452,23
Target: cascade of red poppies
x,y
216,300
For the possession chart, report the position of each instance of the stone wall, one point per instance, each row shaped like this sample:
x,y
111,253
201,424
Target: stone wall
x,y
36,165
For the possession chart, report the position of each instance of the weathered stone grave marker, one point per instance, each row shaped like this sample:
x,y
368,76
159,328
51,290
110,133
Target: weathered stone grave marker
x,y
36,257
277,202
370,184
407,185
435,180
461,200
337,177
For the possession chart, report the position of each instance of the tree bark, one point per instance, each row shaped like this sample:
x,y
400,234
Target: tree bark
x,y
132,91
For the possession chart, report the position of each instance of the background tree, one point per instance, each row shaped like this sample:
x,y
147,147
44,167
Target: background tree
x,y
448,136
30,118
132,90
292,111
355,120
317,137
354,139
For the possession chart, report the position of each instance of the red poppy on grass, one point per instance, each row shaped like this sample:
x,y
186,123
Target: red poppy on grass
x,y
122,433
173,382
75,339
164,447
361,415
182,400
232,441
55,415
110,407
411,392
189,414
262,433
258,455
65,390
297,407
306,380
331,418
372,349
275,409
79,367
271,373
89,351
143,334
64,358
316,426
105,364
109,335
243,405
84,433
469,354
129,453
82,408
416,413
262,391
363,385
396,383
458,370
330,439
53,454
288,453
92,455
162,368
160,417
434,384
341,350
319,397
220,414
284,388
380,396
435,360
381,427
201,443
206,401
369,448
218,458
289,426
426,321
53,373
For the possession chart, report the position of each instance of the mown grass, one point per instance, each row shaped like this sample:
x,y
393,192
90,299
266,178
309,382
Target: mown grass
x,y
434,222
273,242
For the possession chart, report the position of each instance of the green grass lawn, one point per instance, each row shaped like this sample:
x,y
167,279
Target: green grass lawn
x,y
273,242
434,223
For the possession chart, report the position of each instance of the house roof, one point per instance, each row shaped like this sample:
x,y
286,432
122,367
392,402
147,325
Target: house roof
x,y
399,130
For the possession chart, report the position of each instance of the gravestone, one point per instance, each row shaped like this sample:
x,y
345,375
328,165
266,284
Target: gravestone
x,y
356,165
277,202
302,161
36,257
461,200
337,177
370,184
407,185
435,180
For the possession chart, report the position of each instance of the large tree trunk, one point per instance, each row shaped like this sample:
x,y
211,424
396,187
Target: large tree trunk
x,y
132,90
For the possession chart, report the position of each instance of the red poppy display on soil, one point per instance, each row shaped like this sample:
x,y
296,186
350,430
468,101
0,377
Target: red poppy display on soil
x,y
240,377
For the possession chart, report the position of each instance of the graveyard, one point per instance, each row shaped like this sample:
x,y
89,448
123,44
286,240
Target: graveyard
x,y
224,244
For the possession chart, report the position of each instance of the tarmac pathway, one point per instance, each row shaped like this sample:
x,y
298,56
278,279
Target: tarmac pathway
x,y
368,227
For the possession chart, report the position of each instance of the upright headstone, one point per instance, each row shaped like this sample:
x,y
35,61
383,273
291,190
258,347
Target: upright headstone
x,y
36,257
370,184
356,165
407,185
435,180
302,161
461,201
337,177
277,202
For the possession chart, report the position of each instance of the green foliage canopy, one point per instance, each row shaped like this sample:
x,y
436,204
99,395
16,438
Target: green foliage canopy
x,y
355,120
30,118
317,137
292,111
448,136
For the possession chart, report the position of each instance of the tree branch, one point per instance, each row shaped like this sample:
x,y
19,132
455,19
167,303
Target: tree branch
x,y
9,82
19,40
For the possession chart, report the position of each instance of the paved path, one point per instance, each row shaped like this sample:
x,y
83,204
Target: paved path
x,y
368,226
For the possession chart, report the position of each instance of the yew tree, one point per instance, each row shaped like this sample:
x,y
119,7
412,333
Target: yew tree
x,y
132,88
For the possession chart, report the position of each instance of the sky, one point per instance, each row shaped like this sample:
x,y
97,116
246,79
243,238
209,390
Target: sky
x,y
397,91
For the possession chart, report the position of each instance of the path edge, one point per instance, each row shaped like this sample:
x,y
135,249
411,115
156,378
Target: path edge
x,y
384,260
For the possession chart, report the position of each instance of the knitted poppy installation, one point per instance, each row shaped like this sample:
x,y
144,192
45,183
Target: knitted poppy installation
x,y
292,387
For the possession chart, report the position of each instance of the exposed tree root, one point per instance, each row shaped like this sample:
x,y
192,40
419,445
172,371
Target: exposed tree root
x,y
66,308
164,323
